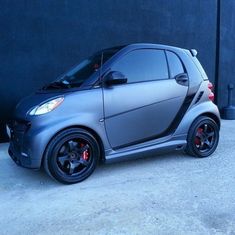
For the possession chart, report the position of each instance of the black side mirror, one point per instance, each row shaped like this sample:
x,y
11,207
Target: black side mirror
x,y
115,78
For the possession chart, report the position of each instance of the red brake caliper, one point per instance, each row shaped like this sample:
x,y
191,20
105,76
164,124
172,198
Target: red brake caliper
x,y
85,154
197,140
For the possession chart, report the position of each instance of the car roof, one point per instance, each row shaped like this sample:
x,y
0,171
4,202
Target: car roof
x,y
144,45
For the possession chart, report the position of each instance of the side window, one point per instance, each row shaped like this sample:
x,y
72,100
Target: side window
x,y
175,64
143,65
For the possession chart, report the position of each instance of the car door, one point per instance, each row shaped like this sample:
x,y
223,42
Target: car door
x,y
144,107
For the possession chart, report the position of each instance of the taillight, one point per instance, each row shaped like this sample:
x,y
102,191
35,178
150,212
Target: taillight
x,y
211,95
210,86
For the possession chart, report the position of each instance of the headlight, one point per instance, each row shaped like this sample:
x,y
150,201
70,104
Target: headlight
x,y
47,107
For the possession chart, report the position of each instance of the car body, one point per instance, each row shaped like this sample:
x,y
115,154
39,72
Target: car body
x,y
155,95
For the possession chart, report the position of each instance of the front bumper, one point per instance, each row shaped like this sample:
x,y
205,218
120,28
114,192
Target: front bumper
x,y
19,148
19,158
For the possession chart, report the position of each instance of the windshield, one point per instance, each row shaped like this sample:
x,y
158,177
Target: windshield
x,y
83,71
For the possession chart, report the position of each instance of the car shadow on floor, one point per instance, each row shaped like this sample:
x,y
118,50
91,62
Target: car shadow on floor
x,y
17,176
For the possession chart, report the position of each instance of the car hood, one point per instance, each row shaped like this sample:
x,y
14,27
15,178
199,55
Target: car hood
x,y
28,103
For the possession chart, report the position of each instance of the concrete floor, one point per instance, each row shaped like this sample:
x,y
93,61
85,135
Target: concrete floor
x,y
170,194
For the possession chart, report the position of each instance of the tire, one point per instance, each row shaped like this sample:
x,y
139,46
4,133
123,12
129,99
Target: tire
x,y
203,137
71,156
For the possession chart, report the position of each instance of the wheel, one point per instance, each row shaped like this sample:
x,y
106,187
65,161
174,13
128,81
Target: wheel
x,y
71,156
203,137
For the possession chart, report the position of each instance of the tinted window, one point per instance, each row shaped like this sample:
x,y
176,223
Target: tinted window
x,y
85,69
143,65
76,76
175,64
109,53
79,74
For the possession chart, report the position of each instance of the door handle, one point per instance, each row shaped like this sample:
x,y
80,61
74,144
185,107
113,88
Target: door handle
x,y
182,79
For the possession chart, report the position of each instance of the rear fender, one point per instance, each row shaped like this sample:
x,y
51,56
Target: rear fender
x,y
205,108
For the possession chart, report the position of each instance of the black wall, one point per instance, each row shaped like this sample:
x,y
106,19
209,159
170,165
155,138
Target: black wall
x,y
41,39
227,50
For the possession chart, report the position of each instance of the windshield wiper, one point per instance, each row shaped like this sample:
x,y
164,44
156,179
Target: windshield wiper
x,y
56,85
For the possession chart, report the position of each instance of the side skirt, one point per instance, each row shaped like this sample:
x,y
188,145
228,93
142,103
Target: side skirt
x,y
159,146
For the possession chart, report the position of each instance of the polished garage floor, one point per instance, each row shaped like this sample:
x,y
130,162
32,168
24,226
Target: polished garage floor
x,y
170,194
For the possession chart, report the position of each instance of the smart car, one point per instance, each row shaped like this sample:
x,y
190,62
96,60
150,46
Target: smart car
x,y
123,102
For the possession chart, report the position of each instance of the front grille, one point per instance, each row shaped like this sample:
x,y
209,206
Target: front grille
x,y
19,125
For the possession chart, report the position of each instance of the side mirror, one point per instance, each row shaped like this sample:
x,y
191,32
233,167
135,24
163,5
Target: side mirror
x,y
115,78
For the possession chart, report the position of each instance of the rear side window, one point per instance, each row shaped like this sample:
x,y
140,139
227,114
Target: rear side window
x,y
175,64
143,65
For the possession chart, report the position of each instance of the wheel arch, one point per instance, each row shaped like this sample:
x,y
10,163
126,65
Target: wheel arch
x,y
212,116
207,109
94,133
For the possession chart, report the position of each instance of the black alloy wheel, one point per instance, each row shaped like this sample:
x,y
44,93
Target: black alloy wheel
x,y
74,156
71,156
203,137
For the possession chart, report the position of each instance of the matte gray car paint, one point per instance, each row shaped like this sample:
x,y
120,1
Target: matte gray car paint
x,y
146,104
84,107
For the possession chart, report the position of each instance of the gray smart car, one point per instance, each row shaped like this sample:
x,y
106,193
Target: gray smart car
x,y
122,102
